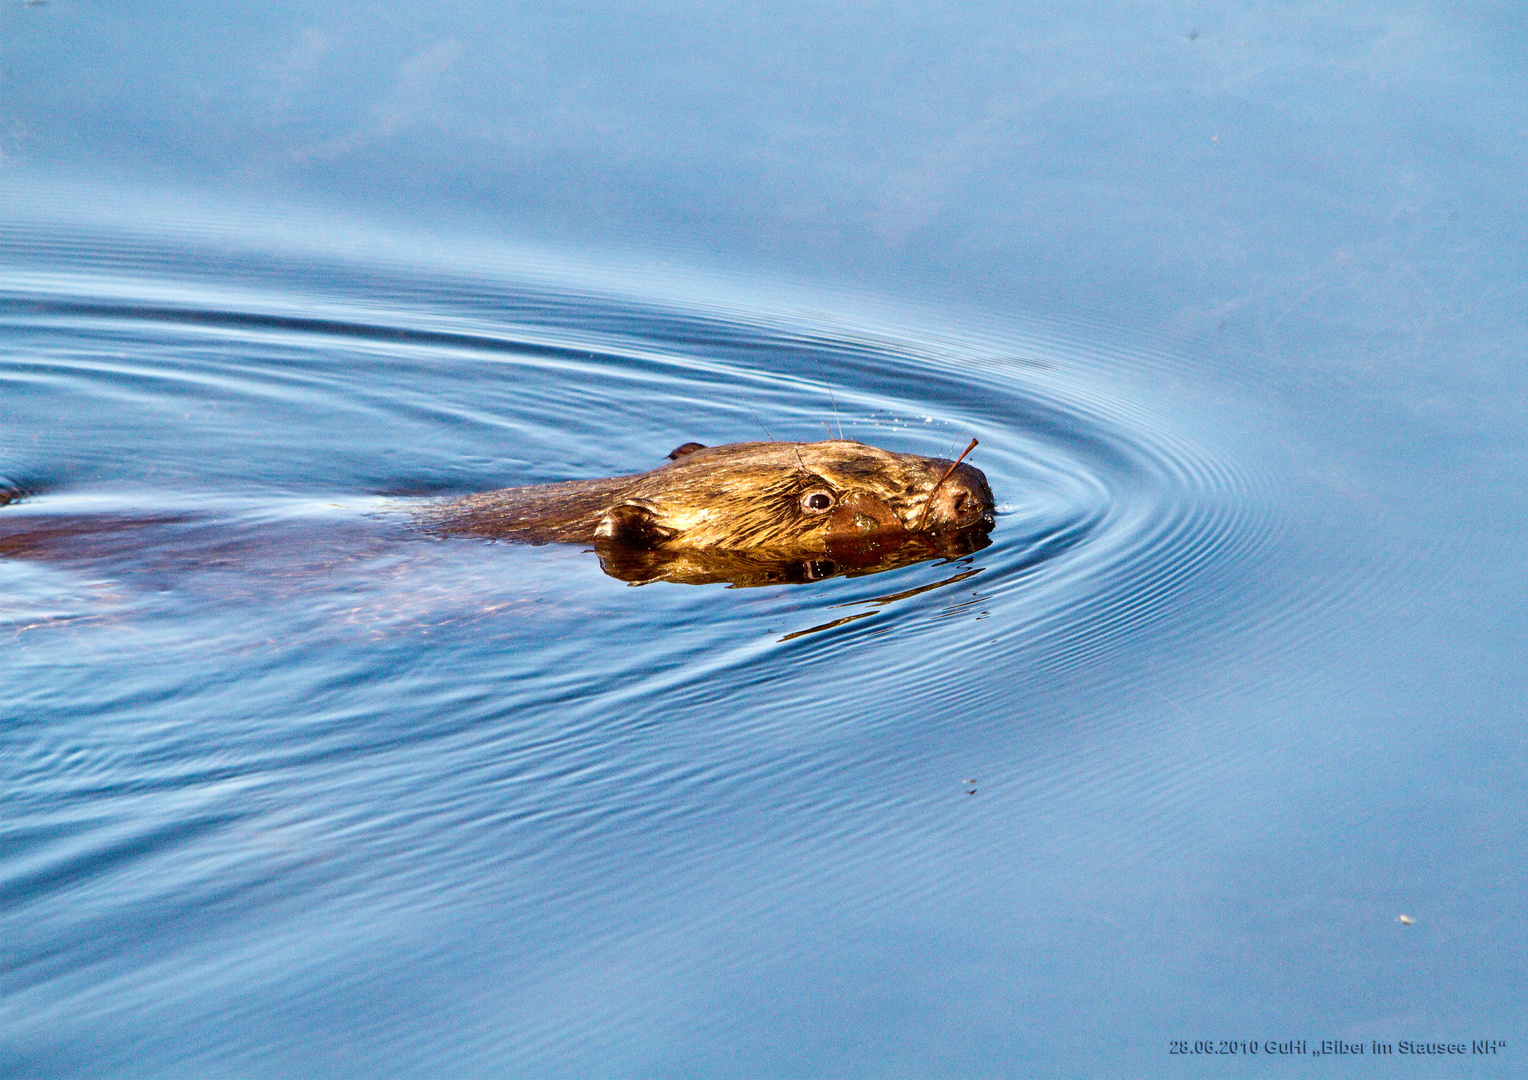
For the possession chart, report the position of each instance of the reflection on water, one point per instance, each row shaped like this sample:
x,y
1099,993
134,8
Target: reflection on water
x,y
744,569
877,601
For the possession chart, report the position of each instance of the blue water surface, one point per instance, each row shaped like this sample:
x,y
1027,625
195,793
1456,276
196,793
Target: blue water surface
x,y
1233,301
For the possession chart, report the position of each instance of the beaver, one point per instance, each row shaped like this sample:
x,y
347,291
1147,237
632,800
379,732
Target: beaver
x,y
748,514
758,497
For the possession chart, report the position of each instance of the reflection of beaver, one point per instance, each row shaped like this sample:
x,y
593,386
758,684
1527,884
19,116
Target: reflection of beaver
x,y
850,558
748,497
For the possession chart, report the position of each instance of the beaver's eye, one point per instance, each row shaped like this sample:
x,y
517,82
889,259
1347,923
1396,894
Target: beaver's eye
x,y
817,501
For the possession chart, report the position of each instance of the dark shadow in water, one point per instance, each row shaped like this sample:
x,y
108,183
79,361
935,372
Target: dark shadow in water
x,y
750,569
83,538
169,549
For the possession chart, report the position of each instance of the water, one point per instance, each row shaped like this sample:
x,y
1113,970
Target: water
x,y
292,788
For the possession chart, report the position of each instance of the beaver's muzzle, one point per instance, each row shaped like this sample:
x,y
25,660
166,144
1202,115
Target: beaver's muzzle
x,y
960,502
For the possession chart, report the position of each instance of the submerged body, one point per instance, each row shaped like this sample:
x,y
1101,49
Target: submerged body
x,y
745,497
749,514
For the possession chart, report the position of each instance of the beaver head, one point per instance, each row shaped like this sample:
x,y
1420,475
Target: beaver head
x,y
796,497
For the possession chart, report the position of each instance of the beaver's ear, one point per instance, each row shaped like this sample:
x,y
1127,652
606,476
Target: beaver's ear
x,y
633,525
688,448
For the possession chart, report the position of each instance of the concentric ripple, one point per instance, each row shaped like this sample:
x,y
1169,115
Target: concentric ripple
x,y
208,391
244,689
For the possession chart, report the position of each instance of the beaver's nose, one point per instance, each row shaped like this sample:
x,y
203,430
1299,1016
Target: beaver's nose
x,y
960,502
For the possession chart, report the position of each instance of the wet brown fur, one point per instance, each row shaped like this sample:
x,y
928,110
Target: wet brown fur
x,y
741,497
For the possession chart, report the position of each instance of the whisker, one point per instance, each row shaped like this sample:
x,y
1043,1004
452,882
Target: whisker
x,y
829,386
767,436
